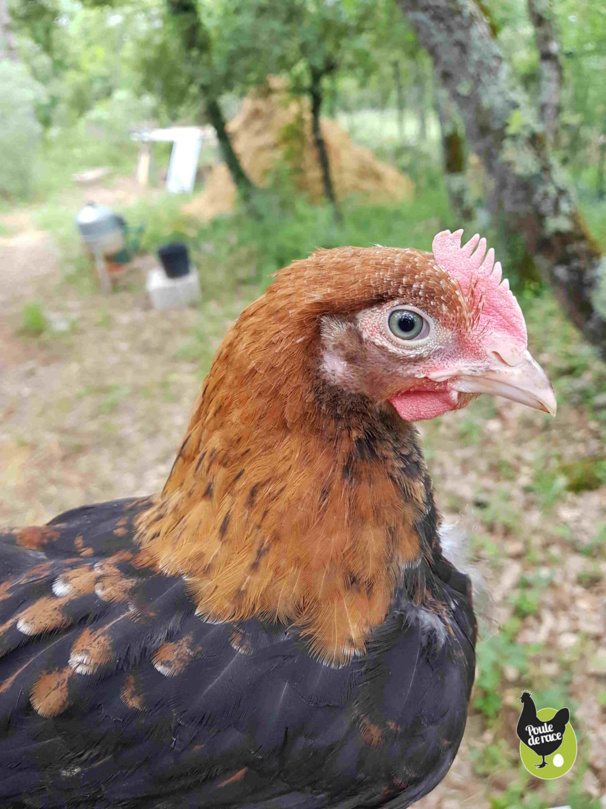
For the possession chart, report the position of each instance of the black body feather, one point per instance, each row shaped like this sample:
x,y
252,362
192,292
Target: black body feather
x,y
158,708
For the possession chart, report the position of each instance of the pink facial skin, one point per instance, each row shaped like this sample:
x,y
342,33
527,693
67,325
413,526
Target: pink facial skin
x,y
499,330
468,337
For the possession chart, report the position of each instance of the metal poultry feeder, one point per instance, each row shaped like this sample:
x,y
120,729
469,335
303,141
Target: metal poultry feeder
x,y
103,232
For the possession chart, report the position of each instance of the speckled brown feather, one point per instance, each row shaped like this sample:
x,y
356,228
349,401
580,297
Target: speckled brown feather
x,y
138,666
286,501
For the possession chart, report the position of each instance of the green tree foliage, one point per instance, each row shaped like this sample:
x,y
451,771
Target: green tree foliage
x,y
41,43
109,65
19,129
581,28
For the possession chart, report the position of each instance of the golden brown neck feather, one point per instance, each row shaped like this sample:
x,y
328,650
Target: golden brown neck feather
x,y
278,507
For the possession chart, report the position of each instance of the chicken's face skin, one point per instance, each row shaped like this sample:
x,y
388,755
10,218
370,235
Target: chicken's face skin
x,y
445,338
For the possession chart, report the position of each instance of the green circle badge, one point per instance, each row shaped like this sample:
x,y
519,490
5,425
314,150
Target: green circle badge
x,y
548,745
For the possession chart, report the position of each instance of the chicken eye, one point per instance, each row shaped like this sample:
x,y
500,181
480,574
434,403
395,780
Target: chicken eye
x,y
407,325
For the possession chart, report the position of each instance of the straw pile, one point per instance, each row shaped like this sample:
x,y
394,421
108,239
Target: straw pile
x,y
274,128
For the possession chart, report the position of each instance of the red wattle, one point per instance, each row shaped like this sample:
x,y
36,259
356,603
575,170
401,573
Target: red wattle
x,y
420,405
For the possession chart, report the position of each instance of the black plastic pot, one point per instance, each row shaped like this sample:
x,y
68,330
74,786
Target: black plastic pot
x,y
175,259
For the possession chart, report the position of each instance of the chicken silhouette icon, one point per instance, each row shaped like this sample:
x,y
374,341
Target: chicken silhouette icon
x,y
543,737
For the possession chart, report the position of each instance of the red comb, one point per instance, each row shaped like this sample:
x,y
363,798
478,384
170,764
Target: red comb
x,y
474,268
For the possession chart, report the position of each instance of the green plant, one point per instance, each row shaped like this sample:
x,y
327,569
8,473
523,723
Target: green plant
x,y
19,129
518,796
249,249
112,399
34,321
163,220
527,595
489,757
548,485
585,474
591,575
593,546
501,511
494,655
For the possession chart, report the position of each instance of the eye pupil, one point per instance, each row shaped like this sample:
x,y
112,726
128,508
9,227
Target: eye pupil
x,y
406,322
407,325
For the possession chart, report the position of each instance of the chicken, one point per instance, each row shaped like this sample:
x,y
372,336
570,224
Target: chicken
x,y
279,628
541,736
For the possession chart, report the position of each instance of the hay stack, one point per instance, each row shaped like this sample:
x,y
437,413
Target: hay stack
x,y
272,127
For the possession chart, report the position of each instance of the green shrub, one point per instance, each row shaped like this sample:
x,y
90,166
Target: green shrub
x,y
19,129
287,227
33,319
113,119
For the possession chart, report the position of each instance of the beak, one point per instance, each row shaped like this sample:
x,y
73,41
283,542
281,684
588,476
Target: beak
x,y
524,382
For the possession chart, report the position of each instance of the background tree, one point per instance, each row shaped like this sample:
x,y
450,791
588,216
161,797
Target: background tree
x,y
42,46
186,17
541,13
454,154
583,121
328,36
359,37
19,129
8,47
527,181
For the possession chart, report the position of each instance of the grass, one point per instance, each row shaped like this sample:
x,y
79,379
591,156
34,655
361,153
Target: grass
x,y
495,655
70,150
526,598
371,127
58,219
594,546
500,513
34,322
5,230
235,256
243,251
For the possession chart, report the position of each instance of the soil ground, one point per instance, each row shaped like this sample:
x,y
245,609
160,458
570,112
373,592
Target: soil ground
x,y
94,408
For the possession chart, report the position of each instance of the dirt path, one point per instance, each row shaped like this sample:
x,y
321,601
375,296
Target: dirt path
x,y
25,258
96,409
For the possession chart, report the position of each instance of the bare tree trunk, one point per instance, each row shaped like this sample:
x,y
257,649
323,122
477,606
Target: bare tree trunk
x,y
600,184
420,99
542,17
454,157
316,98
8,48
527,181
399,99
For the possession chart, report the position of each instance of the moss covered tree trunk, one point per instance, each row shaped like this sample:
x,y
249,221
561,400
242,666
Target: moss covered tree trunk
x,y
550,65
454,156
397,76
239,176
601,174
419,91
526,180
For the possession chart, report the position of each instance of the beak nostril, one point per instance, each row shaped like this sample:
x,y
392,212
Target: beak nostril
x,y
508,356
